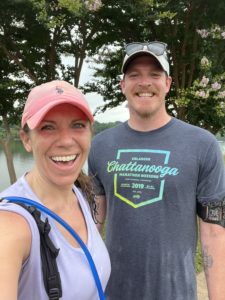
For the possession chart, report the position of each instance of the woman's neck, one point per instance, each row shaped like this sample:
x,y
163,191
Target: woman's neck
x,y
52,196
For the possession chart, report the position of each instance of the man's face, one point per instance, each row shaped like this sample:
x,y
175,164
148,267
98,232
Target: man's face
x,y
145,86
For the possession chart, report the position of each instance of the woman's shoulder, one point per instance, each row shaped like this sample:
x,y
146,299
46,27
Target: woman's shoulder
x,y
16,189
20,219
15,234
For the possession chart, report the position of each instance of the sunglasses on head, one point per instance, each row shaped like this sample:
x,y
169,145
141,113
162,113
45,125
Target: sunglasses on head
x,y
158,48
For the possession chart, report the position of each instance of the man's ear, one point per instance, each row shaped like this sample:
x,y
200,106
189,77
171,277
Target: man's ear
x,y
25,138
122,85
168,83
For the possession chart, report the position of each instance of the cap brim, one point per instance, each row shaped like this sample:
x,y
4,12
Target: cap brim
x,y
160,59
35,120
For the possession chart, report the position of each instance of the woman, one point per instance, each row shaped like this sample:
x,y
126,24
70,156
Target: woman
x,y
56,128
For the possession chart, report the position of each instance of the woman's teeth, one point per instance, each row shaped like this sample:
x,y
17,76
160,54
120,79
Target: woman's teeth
x,y
64,158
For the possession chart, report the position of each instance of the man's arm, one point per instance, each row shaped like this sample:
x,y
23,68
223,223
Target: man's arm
x,y
213,251
101,207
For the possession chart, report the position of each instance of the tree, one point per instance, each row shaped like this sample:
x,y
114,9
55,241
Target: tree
x,y
16,66
98,127
177,23
10,110
204,100
34,36
12,84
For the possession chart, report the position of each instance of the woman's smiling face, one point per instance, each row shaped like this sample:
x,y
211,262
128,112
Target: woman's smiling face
x,y
60,144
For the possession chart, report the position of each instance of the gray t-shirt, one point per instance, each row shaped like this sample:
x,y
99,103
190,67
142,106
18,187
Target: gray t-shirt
x,y
152,182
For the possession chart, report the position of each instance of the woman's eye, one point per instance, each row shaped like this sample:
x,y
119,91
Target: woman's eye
x,y
79,125
47,127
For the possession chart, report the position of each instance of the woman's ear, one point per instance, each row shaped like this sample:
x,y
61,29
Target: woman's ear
x,y
25,138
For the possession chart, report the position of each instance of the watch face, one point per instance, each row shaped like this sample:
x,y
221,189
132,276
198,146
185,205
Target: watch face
x,y
215,214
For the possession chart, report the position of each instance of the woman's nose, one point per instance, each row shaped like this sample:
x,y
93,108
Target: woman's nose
x,y
65,137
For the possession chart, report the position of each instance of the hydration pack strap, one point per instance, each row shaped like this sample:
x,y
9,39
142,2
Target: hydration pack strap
x,y
57,290
49,253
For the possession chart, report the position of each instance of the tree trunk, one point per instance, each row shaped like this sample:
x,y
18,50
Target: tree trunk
x,y
8,153
181,113
9,160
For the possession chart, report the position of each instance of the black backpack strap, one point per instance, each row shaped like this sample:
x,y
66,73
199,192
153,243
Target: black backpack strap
x,y
49,254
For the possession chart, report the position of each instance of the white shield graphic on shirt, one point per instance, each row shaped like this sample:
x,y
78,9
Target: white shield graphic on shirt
x,y
139,176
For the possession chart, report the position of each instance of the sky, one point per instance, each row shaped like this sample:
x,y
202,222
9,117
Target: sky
x,y
119,113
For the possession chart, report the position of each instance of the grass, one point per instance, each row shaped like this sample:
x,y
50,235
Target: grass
x,y
198,259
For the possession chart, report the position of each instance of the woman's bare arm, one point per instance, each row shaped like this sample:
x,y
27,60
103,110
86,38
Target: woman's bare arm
x,y
15,242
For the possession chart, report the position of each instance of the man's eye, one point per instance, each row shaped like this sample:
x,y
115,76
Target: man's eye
x,y
133,75
155,75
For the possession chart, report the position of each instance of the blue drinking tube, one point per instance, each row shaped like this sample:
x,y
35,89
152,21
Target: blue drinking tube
x,y
71,231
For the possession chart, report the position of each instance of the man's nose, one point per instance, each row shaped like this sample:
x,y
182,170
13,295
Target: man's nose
x,y
145,81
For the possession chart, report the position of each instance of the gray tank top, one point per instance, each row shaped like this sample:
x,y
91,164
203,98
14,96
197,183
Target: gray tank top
x,y
76,276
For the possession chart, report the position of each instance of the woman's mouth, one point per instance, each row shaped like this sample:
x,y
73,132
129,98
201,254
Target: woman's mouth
x,y
64,159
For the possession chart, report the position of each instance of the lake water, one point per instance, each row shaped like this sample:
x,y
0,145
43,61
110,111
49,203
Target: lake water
x,y
23,162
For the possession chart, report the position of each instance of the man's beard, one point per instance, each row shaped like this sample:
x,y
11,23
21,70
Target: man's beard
x,y
144,115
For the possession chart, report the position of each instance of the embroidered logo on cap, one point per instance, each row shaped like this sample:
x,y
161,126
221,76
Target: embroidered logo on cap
x,y
59,90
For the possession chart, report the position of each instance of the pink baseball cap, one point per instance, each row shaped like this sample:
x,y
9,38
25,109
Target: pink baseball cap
x,y
44,97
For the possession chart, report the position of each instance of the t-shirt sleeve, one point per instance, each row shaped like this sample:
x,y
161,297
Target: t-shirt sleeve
x,y
94,173
211,183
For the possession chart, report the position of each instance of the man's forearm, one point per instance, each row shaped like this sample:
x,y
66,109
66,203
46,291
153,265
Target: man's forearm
x,y
213,251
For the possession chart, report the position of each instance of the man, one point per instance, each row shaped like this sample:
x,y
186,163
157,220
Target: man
x,y
150,173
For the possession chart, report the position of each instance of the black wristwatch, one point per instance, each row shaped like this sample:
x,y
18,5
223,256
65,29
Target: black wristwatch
x,y
212,212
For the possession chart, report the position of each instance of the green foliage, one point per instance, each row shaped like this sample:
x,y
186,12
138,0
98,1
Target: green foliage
x,y
178,24
110,88
52,13
98,127
220,137
72,5
198,259
34,36
204,100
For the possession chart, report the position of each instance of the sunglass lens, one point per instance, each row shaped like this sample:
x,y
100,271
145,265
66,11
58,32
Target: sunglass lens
x,y
157,48
133,47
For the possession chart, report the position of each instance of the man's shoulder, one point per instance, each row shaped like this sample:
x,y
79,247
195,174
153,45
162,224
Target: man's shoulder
x,y
193,131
